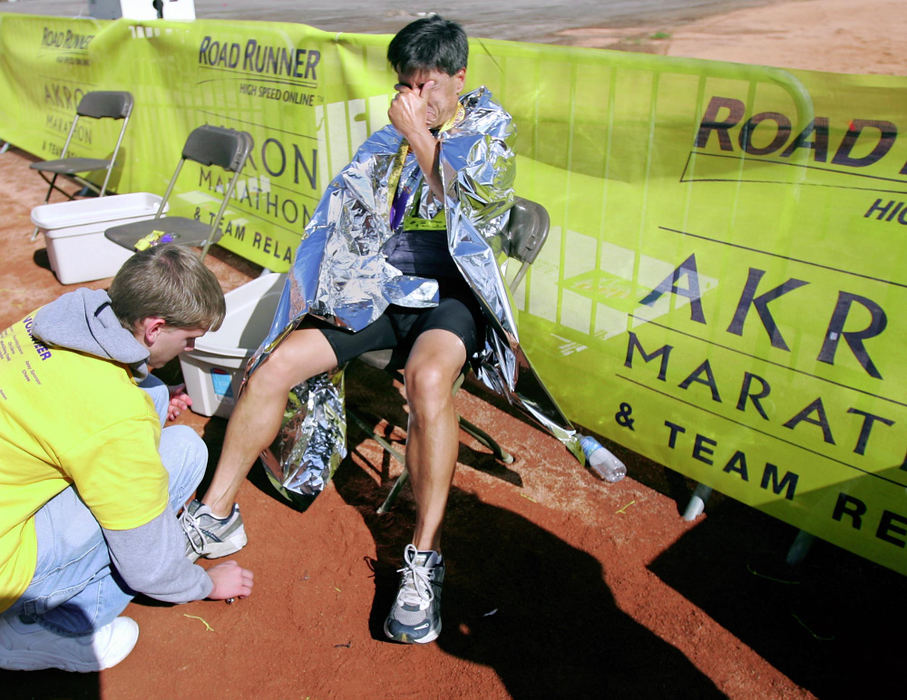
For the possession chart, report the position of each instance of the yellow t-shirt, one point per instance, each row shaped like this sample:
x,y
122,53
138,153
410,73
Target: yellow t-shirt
x,y
70,418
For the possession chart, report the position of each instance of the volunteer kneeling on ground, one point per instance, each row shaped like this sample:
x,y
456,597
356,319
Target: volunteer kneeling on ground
x,y
90,484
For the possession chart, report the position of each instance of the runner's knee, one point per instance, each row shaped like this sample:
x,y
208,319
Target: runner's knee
x,y
428,386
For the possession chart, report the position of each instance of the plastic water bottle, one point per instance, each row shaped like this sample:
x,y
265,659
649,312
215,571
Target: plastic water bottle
x,y
602,462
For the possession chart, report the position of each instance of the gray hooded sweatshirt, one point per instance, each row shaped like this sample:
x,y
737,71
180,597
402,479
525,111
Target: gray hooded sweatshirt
x,y
150,558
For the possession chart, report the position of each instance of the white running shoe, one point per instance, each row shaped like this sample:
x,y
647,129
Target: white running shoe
x,y
38,648
209,536
415,616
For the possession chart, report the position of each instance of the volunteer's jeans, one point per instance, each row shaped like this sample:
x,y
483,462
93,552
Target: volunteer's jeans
x,y
74,590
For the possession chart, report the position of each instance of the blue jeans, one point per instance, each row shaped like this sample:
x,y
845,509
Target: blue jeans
x,y
74,590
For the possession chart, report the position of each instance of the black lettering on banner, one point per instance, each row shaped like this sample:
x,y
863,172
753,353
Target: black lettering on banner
x,y
278,60
892,209
754,389
704,448
868,420
818,408
852,507
782,131
623,416
891,523
748,298
272,204
710,122
215,53
314,57
664,352
892,527
62,96
878,322
887,134
273,247
737,463
669,284
260,58
865,142
65,40
237,231
709,381
819,126
274,161
788,483
745,393
672,436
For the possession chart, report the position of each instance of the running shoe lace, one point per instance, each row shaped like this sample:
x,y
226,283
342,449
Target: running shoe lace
x,y
416,588
193,531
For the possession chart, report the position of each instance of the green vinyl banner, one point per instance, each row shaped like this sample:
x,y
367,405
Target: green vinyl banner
x,y
723,287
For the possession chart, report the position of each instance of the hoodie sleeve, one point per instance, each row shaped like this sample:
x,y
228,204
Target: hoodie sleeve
x,y
151,559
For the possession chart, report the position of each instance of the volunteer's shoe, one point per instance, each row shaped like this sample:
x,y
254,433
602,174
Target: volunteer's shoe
x,y
209,536
415,616
38,648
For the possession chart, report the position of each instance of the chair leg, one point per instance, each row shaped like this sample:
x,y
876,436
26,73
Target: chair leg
x,y
50,189
476,432
393,452
395,490
377,438
470,428
799,548
697,502
486,439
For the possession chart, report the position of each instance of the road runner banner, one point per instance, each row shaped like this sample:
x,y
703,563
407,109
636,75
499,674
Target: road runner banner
x,y
723,288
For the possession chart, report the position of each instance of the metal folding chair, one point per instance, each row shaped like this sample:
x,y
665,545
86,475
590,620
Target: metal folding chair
x,y
99,104
524,237
207,145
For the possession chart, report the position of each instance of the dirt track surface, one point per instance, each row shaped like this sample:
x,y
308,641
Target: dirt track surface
x,y
559,585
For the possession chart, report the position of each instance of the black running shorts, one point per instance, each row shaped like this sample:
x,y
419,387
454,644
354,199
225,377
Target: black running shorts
x,y
399,326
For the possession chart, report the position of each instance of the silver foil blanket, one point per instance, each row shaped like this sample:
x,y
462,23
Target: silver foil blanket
x,y
341,275
311,442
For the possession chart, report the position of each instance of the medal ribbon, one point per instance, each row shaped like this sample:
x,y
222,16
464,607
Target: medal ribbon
x,y
397,200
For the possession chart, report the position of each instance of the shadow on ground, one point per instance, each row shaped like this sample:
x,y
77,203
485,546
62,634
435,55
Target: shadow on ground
x,y
820,622
522,601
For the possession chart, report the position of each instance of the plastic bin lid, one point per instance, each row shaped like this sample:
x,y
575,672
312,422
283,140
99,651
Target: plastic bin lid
x,y
96,209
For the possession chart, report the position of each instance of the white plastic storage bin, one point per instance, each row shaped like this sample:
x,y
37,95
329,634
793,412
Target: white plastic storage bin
x,y
74,232
213,371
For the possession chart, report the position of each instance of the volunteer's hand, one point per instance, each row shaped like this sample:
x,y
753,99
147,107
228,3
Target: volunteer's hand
x,y
179,401
230,581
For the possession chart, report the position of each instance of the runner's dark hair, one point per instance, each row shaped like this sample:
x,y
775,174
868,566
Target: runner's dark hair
x,y
429,43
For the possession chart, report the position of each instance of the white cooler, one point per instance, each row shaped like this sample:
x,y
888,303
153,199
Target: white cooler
x,y
74,232
213,371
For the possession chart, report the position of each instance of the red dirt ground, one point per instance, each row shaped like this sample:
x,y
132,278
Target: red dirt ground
x,y
559,585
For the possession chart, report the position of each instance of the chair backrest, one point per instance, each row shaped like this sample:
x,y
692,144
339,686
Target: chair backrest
x,y
217,145
526,233
101,104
